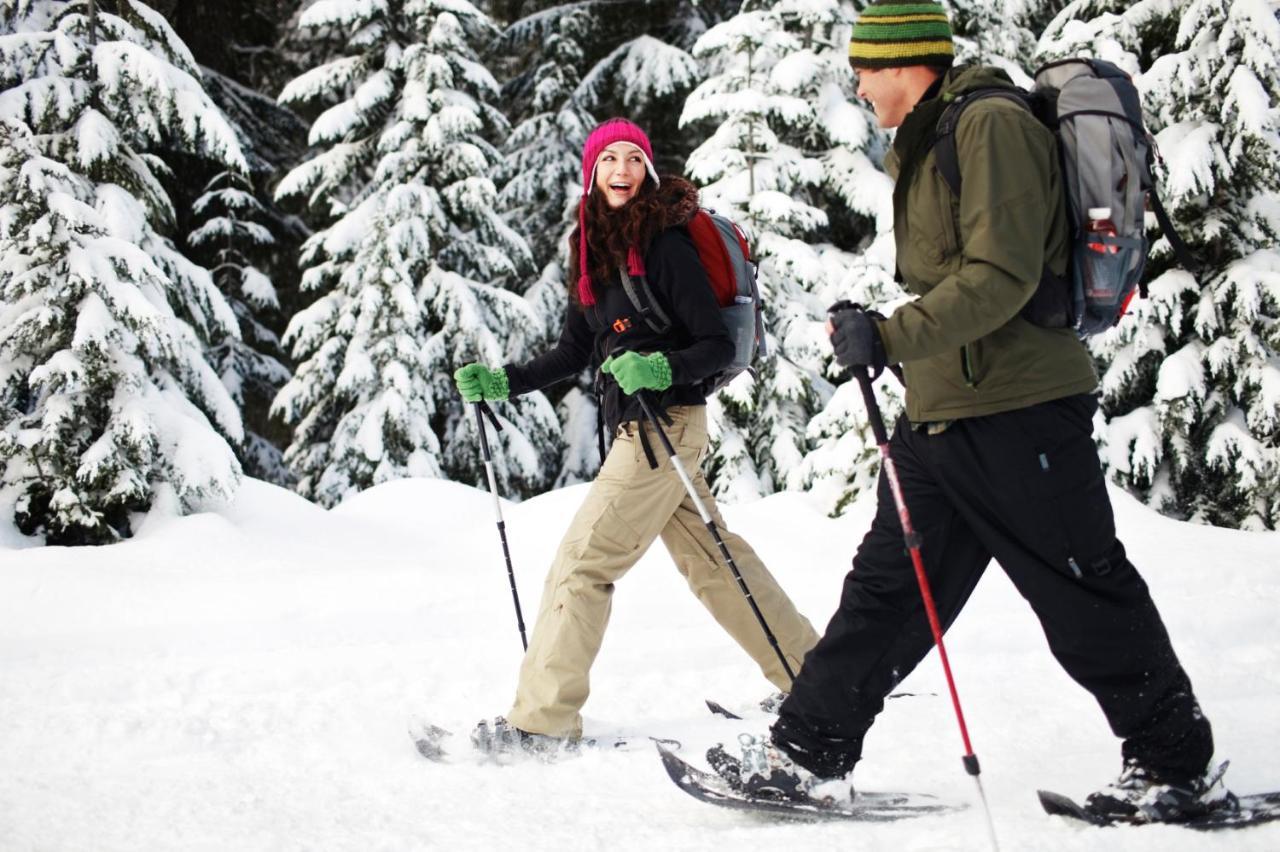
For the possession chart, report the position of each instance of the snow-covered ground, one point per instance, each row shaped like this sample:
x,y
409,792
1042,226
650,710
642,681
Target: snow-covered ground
x,y
243,680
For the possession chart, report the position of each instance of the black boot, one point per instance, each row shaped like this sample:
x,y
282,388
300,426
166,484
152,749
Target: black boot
x,y
1138,795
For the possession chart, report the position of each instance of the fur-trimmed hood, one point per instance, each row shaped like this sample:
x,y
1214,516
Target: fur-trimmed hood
x,y
679,200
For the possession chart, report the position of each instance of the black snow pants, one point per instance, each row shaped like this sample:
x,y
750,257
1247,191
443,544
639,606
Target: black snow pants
x,y
1026,488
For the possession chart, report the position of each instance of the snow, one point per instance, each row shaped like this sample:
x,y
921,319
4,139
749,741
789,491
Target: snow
x,y
121,65
333,76
335,123
1182,374
96,139
1189,145
337,12
242,679
647,68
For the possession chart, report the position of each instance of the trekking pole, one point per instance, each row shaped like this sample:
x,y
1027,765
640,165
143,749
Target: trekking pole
x,y
711,525
482,409
913,540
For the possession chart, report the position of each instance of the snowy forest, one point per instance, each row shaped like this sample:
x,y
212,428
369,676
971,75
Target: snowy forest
x,y
243,239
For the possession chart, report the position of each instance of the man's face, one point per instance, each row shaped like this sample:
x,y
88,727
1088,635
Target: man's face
x,y
886,89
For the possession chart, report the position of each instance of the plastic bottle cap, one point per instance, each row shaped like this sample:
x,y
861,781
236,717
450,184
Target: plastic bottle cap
x,y
1099,212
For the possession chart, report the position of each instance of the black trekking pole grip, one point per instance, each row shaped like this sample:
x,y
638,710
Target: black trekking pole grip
x,y
484,434
873,407
657,427
710,524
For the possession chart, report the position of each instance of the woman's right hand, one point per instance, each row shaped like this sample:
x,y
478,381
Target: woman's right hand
x,y
476,382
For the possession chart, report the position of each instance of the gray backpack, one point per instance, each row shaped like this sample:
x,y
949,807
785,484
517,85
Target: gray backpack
x,y
726,257
1106,154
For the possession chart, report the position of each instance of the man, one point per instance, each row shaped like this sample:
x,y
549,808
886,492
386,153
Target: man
x,y
995,452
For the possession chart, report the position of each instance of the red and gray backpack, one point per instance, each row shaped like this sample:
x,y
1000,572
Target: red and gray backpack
x,y
1106,154
726,257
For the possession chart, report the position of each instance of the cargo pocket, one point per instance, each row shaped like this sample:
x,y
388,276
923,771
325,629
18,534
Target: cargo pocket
x,y
679,431
1077,510
694,434
611,535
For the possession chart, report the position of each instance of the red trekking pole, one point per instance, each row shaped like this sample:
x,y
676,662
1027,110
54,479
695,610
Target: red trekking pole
x,y
912,540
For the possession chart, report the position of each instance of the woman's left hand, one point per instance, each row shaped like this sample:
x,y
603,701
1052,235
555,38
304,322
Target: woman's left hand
x,y
636,372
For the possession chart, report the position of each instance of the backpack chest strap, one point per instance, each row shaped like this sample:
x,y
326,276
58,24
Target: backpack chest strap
x,y
649,309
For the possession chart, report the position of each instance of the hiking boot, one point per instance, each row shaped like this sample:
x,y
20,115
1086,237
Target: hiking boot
x,y
772,703
1138,795
500,737
764,770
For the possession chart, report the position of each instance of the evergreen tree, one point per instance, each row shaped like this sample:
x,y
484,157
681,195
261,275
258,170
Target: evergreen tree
x,y
227,222
643,68
240,39
231,233
550,124
411,266
107,404
543,183
1002,33
794,161
1191,377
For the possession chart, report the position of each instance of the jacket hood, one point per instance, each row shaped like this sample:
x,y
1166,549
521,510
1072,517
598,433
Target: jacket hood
x,y
679,198
967,78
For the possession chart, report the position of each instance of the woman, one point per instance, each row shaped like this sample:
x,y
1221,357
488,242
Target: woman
x,y
628,217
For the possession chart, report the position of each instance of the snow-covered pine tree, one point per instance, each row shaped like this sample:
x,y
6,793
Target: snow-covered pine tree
x,y
550,124
411,265
232,232
1002,33
646,69
752,174
788,144
1191,377
108,406
227,222
240,39
273,140
542,183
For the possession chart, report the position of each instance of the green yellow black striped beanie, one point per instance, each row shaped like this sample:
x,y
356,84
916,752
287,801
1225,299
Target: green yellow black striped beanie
x,y
897,33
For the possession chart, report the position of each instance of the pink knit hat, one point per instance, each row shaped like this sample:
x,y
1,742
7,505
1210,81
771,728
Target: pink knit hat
x,y
611,131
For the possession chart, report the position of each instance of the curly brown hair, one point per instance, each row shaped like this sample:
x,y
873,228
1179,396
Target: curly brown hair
x,y
612,232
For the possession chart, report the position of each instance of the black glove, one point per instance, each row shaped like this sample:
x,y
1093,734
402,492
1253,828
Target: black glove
x,y
854,336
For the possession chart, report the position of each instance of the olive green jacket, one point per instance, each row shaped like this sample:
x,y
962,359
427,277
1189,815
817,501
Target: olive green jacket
x,y
974,261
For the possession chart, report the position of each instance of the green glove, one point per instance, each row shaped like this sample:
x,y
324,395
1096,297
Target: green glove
x,y
477,382
639,372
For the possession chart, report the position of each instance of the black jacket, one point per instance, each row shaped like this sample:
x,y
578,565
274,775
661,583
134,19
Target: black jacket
x,y
697,345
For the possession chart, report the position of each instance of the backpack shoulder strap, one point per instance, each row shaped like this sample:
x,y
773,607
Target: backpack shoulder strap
x,y
648,308
1180,249
944,148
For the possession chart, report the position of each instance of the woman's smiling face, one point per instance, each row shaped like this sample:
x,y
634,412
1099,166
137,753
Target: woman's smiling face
x,y
620,171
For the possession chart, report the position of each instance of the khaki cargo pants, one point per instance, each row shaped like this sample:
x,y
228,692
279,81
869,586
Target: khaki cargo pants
x,y
628,506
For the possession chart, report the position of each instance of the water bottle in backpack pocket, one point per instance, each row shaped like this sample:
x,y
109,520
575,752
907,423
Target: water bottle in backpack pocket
x,y
1105,271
